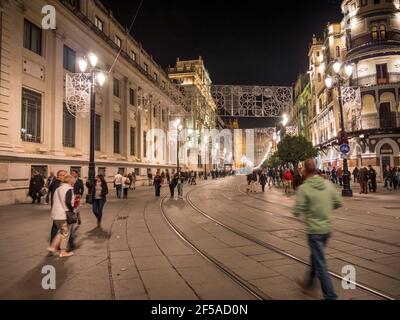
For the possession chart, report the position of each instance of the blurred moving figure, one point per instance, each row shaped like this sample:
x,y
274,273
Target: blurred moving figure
x,y
316,200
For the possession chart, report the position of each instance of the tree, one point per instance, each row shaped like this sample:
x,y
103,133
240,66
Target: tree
x,y
294,149
274,161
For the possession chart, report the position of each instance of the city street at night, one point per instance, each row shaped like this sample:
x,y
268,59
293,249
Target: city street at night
x,y
199,159
232,246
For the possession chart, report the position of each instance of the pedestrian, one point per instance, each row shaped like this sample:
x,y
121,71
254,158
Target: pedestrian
x,y
363,178
340,176
126,183
133,181
253,182
316,199
118,185
79,189
63,203
263,180
49,181
355,174
36,185
334,178
372,176
287,180
99,197
173,183
180,182
157,184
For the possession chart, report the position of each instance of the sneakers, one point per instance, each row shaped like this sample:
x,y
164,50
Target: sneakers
x,y
66,254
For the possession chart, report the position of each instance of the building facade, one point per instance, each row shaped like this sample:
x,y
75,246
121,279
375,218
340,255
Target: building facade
x,y
37,132
368,39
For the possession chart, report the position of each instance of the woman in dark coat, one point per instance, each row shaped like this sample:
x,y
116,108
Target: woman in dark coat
x,y
99,197
157,184
35,187
263,180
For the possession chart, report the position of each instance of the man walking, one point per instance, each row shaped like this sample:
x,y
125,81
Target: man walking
x,y
316,200
118,185
372,177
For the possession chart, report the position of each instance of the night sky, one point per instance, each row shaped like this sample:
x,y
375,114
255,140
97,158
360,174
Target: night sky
x,y
249,42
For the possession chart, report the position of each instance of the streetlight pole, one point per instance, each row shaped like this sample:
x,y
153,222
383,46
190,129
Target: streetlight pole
x,y
92,164
337,66
346,192
98,76
205,158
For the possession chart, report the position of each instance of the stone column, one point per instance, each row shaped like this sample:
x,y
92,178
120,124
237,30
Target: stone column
x,y
54,136
125,127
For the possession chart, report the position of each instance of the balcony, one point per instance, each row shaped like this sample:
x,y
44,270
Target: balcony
x,y
369,81
390,121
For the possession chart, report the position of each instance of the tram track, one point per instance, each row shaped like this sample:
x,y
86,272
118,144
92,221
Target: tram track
x,y
280,251
294,219
245,285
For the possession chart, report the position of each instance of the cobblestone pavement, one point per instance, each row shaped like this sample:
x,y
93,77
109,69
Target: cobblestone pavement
x,y
138,256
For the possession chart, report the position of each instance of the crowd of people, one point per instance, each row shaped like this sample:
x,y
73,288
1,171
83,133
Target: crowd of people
x,y
64,193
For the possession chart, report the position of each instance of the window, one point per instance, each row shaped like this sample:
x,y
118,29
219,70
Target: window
x,y
337,52
68,129
116,88
101,171
117,41
43,170
374,33
382,32
31,115
131,97
145,144
69,59
132,136
319,77
97,134
317,53
99,23
382,73
146,67
163,115
155,112
155,76
32,37
133,55
116,136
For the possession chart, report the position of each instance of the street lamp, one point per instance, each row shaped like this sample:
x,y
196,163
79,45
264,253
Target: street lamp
x,y
179,128
205,157
99,78
330,81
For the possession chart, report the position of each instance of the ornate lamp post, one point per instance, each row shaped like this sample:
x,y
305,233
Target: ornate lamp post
x,y
96,77
205,157
179,128
330,82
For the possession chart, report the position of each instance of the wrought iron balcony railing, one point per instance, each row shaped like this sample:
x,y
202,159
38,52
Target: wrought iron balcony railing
x,y
374,122
373,80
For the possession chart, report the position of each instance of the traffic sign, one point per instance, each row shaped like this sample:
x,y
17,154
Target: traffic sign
x,y
345,148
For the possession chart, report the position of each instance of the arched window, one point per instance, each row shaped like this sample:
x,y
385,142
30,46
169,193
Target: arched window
x,y
337,52
374,33
382,32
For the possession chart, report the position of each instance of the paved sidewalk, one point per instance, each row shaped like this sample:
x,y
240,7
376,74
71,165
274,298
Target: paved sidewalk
x,y
136,256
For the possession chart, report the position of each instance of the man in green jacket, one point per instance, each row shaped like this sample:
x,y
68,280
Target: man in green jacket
x,y
316,199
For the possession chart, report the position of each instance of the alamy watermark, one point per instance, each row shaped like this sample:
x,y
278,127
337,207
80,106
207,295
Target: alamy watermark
x,y
49,21
49,280
349,277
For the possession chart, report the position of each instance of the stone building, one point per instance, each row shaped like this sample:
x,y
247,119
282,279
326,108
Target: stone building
x,y
368,39
37,132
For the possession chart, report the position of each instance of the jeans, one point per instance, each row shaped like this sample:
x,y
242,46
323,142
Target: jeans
x,y
54,231
180,190
319,268
158,189
126,193
98,205
118,188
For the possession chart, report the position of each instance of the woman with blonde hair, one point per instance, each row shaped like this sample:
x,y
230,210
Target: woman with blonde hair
x,y
63,203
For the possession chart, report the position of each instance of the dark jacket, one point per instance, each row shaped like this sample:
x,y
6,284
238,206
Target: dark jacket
x,y
263,179
79,189
104,192
36,184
